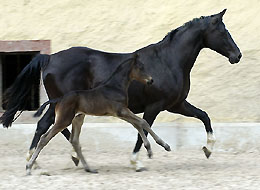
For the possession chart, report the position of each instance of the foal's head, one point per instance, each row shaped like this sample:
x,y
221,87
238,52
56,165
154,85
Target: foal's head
x,y
217,37
138,72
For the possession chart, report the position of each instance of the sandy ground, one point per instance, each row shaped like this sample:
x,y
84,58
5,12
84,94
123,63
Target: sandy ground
x,y
109,149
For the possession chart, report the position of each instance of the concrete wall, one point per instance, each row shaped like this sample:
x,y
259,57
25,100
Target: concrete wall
x,y
229,93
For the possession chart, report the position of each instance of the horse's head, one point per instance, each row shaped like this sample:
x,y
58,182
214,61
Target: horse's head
x,y
217,38
138,72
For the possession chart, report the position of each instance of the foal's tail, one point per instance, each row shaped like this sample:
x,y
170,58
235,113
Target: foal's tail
x,y
43,106
15,97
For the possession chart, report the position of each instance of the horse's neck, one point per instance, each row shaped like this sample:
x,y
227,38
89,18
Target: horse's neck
x,y
186,48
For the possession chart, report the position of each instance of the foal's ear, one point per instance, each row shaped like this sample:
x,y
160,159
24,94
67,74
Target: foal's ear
x,y
218,17
135,57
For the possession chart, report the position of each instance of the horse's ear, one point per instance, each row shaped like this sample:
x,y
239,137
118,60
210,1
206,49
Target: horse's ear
x,y
222,13
218,17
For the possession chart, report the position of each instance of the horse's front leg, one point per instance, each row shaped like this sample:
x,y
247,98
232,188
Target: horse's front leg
x,y
186,109
150,113
134,160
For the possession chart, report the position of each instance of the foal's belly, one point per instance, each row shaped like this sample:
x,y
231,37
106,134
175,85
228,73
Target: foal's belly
x,y
96,105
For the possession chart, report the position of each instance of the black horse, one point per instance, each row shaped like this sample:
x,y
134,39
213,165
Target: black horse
x,y
169,62
107,99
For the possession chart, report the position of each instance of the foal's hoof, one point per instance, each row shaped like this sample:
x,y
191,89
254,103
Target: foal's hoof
x,y
207,152
167,147
75,160
28,170
91,171
150,154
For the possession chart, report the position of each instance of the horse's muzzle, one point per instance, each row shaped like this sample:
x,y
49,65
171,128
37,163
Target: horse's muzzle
x,y
235,59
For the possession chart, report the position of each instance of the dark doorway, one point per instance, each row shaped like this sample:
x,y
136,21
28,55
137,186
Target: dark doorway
x,y
12,64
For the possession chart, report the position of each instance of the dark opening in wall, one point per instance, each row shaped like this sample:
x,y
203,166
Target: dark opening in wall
x,y
12,64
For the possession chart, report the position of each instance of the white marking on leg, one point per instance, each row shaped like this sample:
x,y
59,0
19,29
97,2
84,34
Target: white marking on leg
x,y
211,139
136,164
28,157
134,157
29,154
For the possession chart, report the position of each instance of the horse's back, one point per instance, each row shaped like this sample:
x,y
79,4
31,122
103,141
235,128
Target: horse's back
x,y
79,68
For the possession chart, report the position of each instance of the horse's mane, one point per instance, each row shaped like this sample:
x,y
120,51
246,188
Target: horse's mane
x,y
170,35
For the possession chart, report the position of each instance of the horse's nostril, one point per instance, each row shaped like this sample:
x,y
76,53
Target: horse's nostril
x,y
239,56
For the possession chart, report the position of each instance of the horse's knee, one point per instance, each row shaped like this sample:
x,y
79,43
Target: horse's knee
x,y
203,116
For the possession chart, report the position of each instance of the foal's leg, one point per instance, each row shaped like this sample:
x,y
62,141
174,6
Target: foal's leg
x,y
42,126
64,120
42,143
140,125
149,116
76,129
186,109
77,122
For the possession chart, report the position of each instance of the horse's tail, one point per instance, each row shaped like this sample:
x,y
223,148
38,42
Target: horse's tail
x,y
15,97
43,106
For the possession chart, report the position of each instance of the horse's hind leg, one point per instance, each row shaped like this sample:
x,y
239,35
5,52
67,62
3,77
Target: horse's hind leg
x,y
76,129
140,125
42,127
186,109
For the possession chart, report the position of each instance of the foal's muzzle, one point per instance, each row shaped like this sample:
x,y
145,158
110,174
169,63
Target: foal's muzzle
x,y
149,81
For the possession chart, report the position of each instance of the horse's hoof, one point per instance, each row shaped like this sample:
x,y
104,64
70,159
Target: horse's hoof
x,y
167,147
141,169
75,160
91,171
207,152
